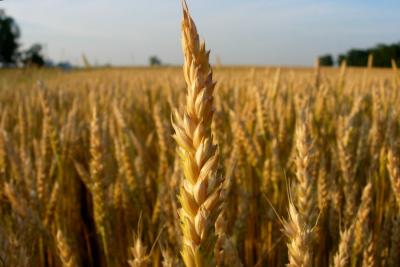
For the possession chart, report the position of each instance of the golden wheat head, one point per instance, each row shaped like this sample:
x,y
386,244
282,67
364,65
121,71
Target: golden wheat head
x,y
200,193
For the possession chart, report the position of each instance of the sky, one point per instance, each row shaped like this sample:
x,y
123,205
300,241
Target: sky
x,y
239,32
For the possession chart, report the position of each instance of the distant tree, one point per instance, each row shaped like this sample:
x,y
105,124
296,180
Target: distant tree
x,y
33,56
382,55
64,65
154,61
357,57
9,34
326,60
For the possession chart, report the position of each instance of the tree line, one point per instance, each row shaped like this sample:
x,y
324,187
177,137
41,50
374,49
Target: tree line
x,y
382,55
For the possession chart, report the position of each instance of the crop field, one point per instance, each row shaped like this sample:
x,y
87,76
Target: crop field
x,y
193,166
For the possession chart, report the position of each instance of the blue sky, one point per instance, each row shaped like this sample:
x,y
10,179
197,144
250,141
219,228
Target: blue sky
x,y
265,32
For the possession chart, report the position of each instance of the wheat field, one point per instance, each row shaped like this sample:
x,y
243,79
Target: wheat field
x,y
164,167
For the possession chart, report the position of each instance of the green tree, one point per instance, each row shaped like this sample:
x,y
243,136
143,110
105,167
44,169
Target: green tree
x,y
382,54
154,61
357,57
9,34
33,56
326,60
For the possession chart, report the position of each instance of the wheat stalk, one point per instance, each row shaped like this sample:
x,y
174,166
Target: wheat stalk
x,y
200,193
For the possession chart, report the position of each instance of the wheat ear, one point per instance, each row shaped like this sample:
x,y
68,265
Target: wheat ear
x,y
140,258
200,193
342,256
369,253
64,251
305,189
300,239
394,171
361,220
